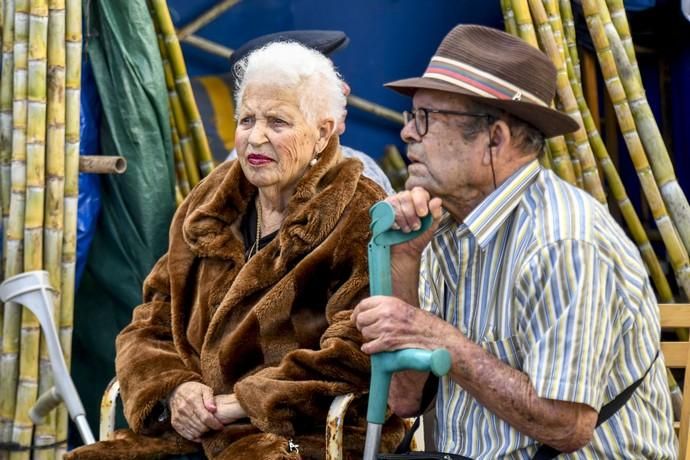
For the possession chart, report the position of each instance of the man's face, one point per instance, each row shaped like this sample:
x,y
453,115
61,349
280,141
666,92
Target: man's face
x,y
442,161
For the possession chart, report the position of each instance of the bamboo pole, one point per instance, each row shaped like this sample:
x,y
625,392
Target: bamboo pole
x,y
27,386
662,167
618,191
590,174
184,87
569,34
676,251
10,328
560,158
73,48
44,433
206,18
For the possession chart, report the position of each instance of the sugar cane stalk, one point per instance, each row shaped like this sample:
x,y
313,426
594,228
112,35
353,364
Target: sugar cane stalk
x,y
27,385
620,22
560,159
618,191
509,17
676,251
9,350
73,48
569,34
590,174
184,87
35,207
662,167
180,121
55,172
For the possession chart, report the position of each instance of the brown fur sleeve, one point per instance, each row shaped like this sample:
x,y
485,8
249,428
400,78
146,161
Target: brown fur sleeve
x,y
147,362
300,390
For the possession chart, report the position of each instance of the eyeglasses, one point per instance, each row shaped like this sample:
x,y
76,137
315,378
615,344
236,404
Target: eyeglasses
x,y
421,117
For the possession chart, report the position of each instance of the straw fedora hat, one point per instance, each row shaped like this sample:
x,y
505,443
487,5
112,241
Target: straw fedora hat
x,y
496,69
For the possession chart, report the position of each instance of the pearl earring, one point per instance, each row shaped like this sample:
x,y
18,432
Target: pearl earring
x,y
313,161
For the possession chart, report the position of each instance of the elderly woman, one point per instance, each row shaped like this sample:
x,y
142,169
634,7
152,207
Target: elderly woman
x,y
245,337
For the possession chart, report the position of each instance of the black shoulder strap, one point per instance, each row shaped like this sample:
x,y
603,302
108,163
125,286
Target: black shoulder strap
x,y
428,397
547,452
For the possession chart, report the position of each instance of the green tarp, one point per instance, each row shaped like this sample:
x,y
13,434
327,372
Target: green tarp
x,y
132,231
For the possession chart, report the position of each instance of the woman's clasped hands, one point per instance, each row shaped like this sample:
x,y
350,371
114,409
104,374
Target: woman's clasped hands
x,y
195,410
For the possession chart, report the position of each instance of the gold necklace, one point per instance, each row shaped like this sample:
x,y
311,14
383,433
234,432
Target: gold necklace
x,y
258,227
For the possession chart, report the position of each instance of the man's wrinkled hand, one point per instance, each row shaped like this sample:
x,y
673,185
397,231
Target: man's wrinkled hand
x,y
192,410
389,324
410,206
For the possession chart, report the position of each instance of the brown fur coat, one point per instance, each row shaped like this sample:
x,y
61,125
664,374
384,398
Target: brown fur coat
x,y
274,330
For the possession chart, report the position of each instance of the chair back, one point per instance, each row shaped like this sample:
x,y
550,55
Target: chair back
x,y
677,355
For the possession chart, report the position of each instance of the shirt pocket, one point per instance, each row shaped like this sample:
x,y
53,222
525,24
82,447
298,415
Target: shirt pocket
x,y
509,350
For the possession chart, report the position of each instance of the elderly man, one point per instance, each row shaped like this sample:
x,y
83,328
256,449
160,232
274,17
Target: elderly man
x,y
325,42
541,299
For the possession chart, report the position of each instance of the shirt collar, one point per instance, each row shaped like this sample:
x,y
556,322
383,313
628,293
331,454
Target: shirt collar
x,y
485,219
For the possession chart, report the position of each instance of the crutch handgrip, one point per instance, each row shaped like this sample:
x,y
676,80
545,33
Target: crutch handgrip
x,y
383,365
45,403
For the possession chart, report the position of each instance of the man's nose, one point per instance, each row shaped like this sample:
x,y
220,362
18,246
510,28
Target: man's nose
x,y
409,133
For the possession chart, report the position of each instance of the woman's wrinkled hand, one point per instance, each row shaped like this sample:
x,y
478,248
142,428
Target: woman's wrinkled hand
x,y
228,409
193,410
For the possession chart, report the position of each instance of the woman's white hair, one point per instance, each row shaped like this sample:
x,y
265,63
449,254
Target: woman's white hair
x,y
290,64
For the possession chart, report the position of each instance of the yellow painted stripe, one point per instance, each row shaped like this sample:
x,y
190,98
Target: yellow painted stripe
x,y
223,110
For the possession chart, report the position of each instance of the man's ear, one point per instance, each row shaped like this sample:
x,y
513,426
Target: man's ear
x,y
499,139
325,131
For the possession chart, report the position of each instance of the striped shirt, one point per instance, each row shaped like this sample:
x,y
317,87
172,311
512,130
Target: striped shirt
x,y
541,276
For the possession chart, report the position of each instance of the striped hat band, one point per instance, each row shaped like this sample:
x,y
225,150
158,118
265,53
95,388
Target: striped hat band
x,y
477,81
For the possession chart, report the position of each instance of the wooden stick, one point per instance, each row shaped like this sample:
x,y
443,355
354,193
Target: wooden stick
x,y
375,109
209,46
206,18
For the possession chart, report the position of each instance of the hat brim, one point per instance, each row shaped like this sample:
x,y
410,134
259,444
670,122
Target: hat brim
x,y
547,120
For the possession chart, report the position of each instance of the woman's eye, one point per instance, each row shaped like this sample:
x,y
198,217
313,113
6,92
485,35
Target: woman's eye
x,y
277,122
245,121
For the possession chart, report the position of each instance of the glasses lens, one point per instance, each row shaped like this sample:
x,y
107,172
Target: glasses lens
x,y
421,121
407,116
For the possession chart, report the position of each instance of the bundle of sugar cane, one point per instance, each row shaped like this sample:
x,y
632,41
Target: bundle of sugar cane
x,y
164,24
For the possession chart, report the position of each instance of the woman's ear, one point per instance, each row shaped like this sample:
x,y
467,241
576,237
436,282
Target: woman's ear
x,y
325,131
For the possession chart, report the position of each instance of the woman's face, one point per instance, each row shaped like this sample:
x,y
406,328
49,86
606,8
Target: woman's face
x,y
273,139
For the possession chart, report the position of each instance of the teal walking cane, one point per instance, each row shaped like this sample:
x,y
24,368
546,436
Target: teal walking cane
x,y
383,365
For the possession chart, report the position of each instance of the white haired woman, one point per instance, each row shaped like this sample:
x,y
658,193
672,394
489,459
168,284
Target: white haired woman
x,y
244,336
